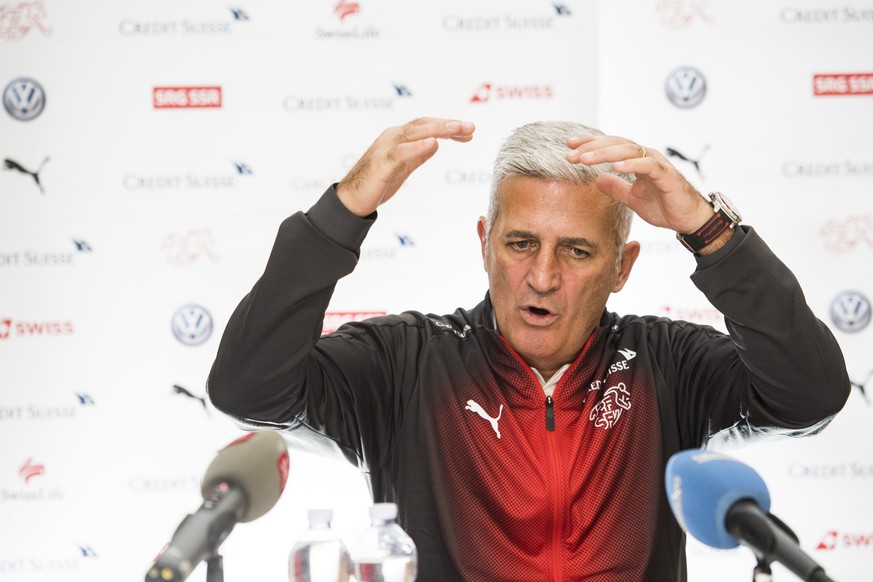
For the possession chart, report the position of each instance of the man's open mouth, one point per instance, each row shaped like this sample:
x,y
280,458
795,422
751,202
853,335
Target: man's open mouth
x,y
538,310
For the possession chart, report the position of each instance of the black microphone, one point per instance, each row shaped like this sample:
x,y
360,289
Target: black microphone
x,y
243,482
724,503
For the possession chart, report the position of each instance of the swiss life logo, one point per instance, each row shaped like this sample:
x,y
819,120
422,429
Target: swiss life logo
x,y
208,97
29,470
344,8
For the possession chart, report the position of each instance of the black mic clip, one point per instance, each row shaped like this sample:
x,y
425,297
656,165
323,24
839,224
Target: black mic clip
x,y
771,540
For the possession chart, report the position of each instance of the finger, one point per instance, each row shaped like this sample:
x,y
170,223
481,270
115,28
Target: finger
x,y
413,154
588,139
605,153
614,187
438,128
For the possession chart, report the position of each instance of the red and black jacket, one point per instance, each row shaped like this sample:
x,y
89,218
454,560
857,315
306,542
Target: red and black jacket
x,y
494,481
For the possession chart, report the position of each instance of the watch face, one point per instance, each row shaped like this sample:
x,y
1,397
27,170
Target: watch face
x,y
726,205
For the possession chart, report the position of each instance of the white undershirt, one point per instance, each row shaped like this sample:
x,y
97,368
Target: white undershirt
x,y
548,387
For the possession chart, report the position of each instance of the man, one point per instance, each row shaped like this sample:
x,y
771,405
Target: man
x,y
526,439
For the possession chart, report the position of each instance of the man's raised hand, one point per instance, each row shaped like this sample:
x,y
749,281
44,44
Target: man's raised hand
x,y
395,154
660,195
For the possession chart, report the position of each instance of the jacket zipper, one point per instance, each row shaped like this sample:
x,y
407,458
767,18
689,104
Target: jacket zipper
x,y
557,494
550,413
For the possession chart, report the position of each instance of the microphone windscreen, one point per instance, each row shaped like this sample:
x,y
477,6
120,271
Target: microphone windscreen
x,y
703,486
258,464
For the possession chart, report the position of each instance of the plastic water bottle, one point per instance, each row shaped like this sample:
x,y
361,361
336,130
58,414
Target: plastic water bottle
x,y
384,552
320,554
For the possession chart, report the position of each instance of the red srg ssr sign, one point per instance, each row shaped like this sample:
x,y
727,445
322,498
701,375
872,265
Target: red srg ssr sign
x,y
843,84
186,97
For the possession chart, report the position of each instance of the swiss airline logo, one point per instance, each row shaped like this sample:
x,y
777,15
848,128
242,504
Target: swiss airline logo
x,y
487,92
187,97
842,540
334,319
836,84
10,328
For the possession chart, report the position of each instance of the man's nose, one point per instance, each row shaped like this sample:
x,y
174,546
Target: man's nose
x,y
544,274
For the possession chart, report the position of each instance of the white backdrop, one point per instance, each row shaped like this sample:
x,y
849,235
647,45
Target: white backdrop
x,y
141,209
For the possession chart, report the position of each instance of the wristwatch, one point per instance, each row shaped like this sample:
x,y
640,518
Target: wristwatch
x,y
726,216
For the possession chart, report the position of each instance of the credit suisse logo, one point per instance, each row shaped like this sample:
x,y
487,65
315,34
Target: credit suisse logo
x,y
488,92
54,258
59,562
825,14
164,182
10,328
837,84
827,169
46,412
334,319
208,97
507,22
18,20
384,100
845,540
187,27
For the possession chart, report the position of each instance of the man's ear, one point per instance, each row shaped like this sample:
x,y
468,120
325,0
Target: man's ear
x,y
631,252
482,229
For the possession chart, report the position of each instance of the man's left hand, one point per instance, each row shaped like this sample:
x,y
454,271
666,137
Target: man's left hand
x,y
660,195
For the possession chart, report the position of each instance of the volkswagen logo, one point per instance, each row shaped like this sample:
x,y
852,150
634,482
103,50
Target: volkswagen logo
x,y
685,87
24,99
192,325
850,311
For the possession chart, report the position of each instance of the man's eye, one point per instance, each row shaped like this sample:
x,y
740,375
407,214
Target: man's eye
x,y
578,253
520,245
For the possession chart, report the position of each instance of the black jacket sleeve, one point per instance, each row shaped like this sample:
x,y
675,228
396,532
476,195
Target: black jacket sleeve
x,y
274,369
780,370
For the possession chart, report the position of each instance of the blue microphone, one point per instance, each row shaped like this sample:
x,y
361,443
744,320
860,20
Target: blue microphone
x,y
724,503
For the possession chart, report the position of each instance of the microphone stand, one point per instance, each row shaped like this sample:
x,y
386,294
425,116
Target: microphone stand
x,y
768,540
215,568
762,572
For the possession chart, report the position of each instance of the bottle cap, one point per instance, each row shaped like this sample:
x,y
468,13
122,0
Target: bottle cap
x,y
383,512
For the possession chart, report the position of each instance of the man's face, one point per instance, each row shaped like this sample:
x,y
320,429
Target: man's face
x,y
551,264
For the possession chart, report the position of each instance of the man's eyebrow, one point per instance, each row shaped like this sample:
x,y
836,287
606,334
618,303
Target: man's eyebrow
x,y
576,241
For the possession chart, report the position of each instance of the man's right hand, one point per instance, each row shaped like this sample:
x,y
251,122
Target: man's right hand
x,y
395,154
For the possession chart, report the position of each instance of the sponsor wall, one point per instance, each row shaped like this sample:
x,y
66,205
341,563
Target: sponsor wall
x,y
150,151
